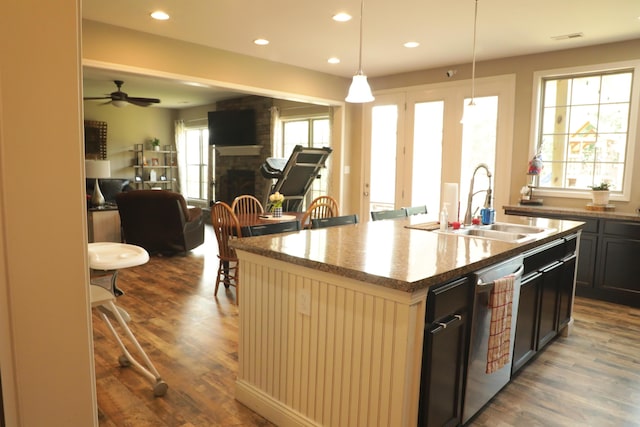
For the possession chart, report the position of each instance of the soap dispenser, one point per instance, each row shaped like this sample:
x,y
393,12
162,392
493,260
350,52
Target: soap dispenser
x,y
444,218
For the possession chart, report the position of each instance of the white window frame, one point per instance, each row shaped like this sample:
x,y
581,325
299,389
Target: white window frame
x,y
205,155
279,146
625,194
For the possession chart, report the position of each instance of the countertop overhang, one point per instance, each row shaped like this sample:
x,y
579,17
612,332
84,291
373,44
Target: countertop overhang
x,y
577,212
387,253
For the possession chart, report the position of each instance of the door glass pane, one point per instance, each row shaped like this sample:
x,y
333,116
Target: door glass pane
x,y
384,134
479,146
427,154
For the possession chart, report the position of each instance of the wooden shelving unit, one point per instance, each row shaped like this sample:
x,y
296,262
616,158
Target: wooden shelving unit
x,y
154,168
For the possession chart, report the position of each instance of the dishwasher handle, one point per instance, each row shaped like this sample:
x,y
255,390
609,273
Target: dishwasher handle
x,y
482,287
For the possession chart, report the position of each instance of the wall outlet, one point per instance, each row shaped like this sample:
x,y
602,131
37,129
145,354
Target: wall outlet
x,y
304,302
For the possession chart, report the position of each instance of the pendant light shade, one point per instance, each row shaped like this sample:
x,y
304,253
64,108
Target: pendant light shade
x,y
360,91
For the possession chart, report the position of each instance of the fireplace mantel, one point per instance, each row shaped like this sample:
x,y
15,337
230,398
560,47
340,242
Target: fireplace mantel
x,y
239,150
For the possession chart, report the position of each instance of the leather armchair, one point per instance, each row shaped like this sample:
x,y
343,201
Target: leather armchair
x,y
160,221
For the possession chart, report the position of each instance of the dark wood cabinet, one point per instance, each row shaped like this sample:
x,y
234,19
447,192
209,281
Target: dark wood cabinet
x,y
526,337
585,275
546,297
548,320
566,291
618,267
444,354
607,266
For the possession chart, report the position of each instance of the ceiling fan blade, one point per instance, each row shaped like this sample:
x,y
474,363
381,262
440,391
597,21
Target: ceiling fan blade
x,y
142,102
88,98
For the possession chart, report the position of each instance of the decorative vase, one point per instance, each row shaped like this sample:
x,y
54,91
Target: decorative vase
x,y
277,212
600,197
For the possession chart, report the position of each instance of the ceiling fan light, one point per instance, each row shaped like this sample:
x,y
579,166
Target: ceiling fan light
x,y
119,103
359,91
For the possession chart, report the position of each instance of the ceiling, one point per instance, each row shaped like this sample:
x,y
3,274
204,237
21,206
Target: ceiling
x,y
302,33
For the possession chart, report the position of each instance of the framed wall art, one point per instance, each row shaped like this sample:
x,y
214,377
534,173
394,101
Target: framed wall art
x,y
95,140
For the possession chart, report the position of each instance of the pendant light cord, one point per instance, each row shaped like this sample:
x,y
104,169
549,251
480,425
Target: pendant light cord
x,y
473,63
360,72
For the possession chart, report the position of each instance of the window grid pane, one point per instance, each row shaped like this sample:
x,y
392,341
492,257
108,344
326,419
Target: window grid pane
x,y
308,132
584,126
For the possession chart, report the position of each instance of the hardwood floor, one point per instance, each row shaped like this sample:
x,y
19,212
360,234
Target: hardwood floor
x,y
591,378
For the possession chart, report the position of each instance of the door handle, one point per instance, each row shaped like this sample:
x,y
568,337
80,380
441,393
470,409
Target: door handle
x,y
444,325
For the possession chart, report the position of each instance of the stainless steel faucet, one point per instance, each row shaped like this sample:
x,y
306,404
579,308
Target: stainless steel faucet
x,y
487,200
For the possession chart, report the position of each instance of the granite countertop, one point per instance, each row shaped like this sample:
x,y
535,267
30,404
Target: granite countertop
x,y
578,212
387,253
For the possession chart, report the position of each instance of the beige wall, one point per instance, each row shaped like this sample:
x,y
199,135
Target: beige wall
x,y
111,45
128,126
119,46
524,67
46,354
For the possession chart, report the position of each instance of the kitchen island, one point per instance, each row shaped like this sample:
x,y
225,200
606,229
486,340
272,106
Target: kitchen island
x,y
332,320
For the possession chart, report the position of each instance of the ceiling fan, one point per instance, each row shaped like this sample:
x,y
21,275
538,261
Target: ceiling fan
x,y
120,99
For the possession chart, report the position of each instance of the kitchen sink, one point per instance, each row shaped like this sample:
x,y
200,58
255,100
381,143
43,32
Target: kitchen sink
x,y
484,233
503,231
514,228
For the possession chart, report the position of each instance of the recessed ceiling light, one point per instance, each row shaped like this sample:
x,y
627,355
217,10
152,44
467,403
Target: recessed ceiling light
x,y
261,42
411,44
160,15
333,60
341,17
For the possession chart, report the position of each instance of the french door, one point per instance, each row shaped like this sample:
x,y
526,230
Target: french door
x,y
414,142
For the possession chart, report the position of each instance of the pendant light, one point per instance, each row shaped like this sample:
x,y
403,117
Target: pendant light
x,y
359,91
469,109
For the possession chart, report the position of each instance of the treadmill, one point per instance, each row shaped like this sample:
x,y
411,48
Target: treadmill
x,y
294,176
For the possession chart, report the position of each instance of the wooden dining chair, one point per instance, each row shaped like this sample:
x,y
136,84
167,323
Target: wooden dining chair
x,y
226,227
328,200
389,214
271,228
246,204
416,210
318,210
334,221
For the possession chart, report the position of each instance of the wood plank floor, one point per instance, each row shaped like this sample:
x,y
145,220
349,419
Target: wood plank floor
x,y
591,378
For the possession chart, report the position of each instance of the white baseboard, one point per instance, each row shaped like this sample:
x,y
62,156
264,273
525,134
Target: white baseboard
x,y
273,410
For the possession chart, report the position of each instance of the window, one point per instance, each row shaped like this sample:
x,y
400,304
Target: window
x,y
196,158
586,128
308,132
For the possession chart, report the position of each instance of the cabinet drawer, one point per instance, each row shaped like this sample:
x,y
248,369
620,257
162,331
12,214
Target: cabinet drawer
x,y
629,230
543,256
447,299
570,244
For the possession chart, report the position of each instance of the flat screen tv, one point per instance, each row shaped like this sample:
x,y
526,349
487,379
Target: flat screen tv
x,y
232,127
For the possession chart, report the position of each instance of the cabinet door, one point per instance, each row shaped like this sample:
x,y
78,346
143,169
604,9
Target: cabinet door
x,y
565,291
442,362
444,354
527,323
620,266
551,277
586,261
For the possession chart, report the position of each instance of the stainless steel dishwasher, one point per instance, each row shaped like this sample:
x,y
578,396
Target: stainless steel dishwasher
x,y
481,387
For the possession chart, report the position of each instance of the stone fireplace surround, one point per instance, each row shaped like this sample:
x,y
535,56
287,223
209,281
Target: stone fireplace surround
x,y
239,174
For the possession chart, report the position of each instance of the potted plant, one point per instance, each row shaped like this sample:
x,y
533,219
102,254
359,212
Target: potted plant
x,y
155,143
600,193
